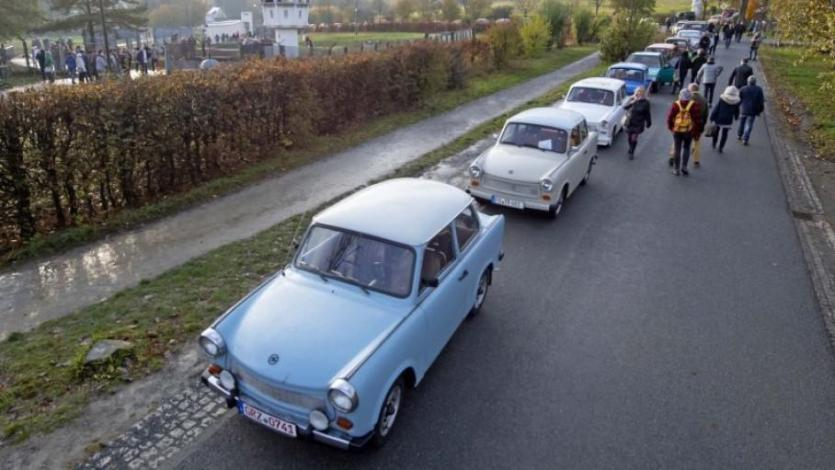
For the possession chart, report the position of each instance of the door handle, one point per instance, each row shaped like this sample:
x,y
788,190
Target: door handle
x,y
463,275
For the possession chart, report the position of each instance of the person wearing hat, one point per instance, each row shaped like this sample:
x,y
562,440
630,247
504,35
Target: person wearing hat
x,y
707,75
724,115
684,120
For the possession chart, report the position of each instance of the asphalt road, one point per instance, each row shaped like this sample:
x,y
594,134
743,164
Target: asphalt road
x,y
661,322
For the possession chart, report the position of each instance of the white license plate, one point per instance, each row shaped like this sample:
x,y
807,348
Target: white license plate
x,y
503,201
276,424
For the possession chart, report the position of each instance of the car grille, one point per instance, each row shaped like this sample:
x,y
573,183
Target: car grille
x,y
249,381
526,189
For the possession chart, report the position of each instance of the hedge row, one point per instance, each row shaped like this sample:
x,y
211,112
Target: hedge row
x,y
77,154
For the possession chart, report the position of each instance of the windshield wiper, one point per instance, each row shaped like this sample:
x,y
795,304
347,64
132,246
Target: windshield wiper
x,y
313,270
352,280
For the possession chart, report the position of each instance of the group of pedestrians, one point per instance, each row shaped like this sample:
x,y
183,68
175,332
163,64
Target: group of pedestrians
x,y
90,66
694,113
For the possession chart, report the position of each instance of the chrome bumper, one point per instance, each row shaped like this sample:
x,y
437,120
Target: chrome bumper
x,y
487,194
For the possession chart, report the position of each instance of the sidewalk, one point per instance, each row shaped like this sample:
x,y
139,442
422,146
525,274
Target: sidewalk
x,y
38,291
20,61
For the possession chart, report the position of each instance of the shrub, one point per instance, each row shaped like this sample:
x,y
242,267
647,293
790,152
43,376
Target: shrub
x,y
505,43
558,15
535,35
71,155
584,26
624,37
500,11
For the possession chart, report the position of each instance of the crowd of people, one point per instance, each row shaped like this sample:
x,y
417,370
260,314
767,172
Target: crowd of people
x,y
694,114
89,65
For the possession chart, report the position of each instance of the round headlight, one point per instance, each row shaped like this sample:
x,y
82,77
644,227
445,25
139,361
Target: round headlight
x,y
603,124
475,171
343,396
319,420
546,185
227,380
212,342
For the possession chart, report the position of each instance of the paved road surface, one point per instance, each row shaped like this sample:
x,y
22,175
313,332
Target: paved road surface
x,y
662,322
38,291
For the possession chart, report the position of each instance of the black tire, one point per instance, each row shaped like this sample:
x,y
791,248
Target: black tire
x,y
588,174
387,417
556,209
481,291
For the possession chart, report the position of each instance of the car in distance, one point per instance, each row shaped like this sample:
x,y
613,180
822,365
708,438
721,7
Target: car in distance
x,y
660,71
600,100
381,280
693,37
669,51
682,44
541,157
633,73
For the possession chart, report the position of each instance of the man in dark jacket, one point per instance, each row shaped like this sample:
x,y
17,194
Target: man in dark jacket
x,y
40,56
739,77
752,104
705,41
683,67
697,63
739,29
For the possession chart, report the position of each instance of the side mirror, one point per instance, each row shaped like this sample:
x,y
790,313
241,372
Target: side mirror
x,y
495,136
429,282
296,243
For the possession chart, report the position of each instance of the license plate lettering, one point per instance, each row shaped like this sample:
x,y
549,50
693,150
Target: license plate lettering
x,y
502,201
272,422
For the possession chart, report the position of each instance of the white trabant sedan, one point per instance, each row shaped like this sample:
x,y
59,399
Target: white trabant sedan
x,y
541,157
600,100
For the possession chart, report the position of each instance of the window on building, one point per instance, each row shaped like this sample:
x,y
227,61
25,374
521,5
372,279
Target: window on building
x,y
271,13
285,13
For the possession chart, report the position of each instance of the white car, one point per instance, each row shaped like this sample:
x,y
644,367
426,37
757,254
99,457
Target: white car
x,y
541,157
600,100
692,35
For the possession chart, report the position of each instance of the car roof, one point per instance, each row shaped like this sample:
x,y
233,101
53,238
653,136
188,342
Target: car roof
x,y
606,83
648,53
551,117
664,45
404,210
629,65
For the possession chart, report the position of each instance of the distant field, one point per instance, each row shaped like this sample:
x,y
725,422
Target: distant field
x,y
351,39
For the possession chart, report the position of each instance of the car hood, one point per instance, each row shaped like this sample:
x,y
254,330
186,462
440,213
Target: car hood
x,y
521,163
315,327
593,113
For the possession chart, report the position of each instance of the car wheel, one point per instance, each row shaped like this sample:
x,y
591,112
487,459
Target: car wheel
x,y
555,210
587,175
388,413
481,292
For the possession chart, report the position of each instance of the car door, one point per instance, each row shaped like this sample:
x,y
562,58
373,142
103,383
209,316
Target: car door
x,y
441,303
619,112
576,168
467,231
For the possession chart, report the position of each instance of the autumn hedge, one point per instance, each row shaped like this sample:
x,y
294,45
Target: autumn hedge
x,y
78,154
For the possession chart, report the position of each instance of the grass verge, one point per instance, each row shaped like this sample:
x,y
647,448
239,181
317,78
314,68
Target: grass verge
x,y
800,80
519,71
43,381
351,39
19,76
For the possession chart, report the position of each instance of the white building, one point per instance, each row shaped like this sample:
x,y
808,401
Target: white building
x,y
286,17
217,24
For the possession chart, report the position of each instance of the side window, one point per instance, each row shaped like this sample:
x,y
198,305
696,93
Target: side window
x,y
466,226
439,254
584,131
575,136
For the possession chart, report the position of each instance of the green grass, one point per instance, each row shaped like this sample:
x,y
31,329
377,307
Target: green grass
x,y
800,79
19,76
518,72
351,39
43,383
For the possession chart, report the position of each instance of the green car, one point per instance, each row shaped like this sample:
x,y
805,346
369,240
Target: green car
x,y
661,72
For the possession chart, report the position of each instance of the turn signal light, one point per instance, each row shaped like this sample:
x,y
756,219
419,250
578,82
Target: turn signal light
x,y
474,183
546,197
344,423
215,369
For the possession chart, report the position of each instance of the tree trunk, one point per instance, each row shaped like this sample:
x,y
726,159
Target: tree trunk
x,y
25,50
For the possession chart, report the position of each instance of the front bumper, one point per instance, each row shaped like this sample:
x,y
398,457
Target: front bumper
x,y
488,194
304,429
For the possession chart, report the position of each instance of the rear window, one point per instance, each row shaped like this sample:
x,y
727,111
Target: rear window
x,y
591,95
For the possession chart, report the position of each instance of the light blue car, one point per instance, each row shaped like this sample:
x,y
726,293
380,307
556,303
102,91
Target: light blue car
x,y
328,346
634,74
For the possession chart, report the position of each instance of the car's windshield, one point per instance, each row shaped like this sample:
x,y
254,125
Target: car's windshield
x,y
689,33
367,262
591,95
648,60
630,75
535,136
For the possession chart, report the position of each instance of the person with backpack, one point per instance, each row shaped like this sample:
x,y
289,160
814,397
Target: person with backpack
x,y
752,104
724,115
708,75
684,122
739,76
639,114
755,46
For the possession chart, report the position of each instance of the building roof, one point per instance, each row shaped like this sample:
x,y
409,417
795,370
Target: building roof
x,y
551,117
404,210
604,83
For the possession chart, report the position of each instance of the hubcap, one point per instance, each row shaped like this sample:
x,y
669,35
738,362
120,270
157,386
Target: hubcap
x,y
481,293
390,409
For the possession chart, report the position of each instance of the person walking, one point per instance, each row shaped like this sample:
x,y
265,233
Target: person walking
x,y
755,46
682,68
69,64
683,121
705,41
696,64
81,65
724,115
708,75
49,66
739,30
727,34
714,41
40,57
739,76
752,104
639,115
101,64
695,148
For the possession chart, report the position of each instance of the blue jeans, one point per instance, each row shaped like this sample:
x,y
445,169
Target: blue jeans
x,y
746,123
